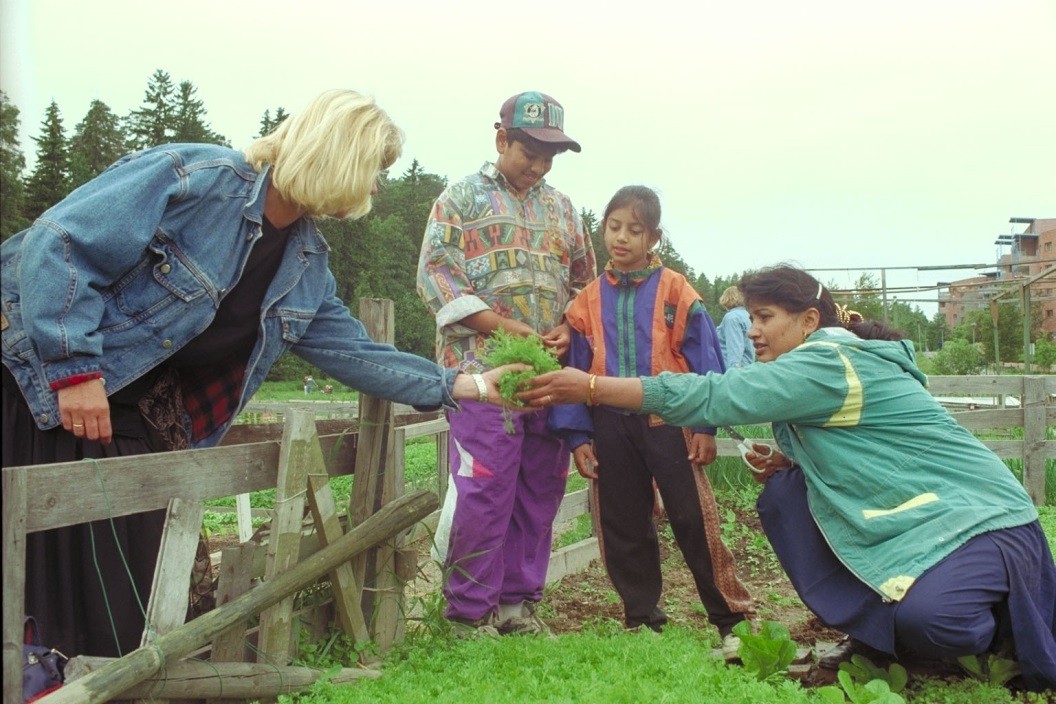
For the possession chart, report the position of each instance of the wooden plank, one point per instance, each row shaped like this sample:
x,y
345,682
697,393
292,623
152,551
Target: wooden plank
x,y
388,587
191,679
374,456
443,463
245,433
14,555
299,447
572,505
1034,432
112,679
975,385
236,578
989,419
417,430
342,581
67,493
571,559
167,607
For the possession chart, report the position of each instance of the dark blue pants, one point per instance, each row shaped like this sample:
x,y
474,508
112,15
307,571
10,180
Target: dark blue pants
x,y
998,585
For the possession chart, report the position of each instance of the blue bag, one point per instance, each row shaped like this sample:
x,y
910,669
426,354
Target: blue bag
x,y
42,667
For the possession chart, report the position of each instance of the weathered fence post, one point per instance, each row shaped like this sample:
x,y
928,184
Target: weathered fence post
x,y
14,556
284,545
375,465
1035,415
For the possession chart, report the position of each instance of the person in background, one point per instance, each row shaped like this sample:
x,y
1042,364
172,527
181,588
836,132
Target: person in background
x,y
145,309
893,522
503,250
737,349
625,453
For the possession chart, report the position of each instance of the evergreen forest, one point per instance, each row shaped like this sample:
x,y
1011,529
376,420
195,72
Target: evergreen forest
x,y
374,257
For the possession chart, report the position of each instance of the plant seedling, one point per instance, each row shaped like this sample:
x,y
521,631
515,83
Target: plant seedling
x,y
767,653
504,348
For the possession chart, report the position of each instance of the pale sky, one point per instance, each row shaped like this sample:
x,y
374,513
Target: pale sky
x,y
830,133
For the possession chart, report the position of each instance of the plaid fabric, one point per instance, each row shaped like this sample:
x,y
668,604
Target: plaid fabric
x,y
210,395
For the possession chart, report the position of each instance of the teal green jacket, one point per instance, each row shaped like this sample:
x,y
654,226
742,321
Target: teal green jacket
x,y
893,482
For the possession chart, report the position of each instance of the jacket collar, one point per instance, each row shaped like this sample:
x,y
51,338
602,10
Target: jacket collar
x,y
490,171
617,277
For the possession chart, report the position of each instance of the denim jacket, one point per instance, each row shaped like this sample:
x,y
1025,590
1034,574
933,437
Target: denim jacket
x,y
132,265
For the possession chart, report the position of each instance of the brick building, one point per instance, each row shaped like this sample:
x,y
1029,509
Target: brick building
x,y
1028,254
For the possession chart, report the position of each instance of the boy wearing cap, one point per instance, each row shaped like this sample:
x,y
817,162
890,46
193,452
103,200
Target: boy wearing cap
x,y
503,250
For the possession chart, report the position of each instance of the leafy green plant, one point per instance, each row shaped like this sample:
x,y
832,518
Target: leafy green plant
x,y
993,669
767,653
504,348
862,670
872,692
338,650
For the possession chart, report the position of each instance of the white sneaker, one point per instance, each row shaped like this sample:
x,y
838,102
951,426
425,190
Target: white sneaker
x,y
481,628
731,648
527,621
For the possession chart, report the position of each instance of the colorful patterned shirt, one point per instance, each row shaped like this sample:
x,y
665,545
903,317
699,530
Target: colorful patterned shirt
x,y
486,248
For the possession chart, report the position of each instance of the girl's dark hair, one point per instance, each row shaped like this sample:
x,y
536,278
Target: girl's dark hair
x,y
795,291
642,200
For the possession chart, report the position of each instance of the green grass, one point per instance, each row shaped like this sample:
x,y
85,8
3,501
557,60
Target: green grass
x,y
603,665
279,391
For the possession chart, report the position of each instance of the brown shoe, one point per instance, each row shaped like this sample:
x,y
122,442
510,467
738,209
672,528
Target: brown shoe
x,y
846,649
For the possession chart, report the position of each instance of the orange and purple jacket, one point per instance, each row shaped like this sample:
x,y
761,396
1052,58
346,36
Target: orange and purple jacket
x,y
632,324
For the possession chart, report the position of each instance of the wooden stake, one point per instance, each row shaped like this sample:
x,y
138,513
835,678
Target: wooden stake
x,y
195,680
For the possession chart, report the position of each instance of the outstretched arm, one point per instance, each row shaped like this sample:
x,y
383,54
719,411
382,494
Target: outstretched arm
x,y
570,385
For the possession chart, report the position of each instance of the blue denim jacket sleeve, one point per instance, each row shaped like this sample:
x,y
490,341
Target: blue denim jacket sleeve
x,y
80,247
338,343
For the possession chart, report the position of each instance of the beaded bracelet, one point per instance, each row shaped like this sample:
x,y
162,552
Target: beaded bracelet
x,y
592,388
482,387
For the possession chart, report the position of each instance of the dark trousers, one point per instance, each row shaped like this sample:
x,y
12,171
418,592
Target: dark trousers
x,y
998,585
631,454
84,598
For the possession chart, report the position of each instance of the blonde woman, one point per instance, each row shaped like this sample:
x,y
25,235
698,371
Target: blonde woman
x,y
145,309
737,350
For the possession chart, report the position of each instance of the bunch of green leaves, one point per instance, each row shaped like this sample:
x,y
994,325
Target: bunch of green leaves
x,y
872,692
861,669
993,669
767,653
866,683
503,348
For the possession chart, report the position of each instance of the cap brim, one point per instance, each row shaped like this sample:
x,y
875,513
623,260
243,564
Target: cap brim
x,y
552,136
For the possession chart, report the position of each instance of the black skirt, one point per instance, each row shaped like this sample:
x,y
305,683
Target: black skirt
x,y
78,588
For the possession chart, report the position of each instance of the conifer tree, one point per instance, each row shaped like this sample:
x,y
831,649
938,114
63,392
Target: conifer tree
x,y
267,124
154,122
12,162
98,141
190,124
50,181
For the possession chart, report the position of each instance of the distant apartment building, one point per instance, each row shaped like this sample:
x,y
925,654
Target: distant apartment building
x,y
1028,254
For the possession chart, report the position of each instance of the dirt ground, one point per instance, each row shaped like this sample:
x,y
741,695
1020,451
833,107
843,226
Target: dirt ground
x,y
586,596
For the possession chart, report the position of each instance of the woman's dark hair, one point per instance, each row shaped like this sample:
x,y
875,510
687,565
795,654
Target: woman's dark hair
x,y
642,200
795,291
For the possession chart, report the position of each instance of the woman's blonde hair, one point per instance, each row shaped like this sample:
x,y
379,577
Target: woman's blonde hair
x,y
731,298
327,158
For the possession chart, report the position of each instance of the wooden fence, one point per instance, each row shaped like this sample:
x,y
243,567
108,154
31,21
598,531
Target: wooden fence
x,y
298,456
